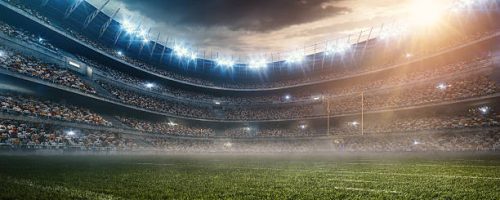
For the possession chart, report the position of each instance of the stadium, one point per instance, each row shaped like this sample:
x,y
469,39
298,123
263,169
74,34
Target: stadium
x,y
97,104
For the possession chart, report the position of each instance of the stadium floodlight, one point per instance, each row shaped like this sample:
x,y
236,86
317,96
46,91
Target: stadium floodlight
x,y
2,54
228,145
295,57
442,86
462,4
316,98
127,26
395,31
484,110
248,128
193,56
144,36
288,97
70,133
149,85
338,48
257,64
303,126
172,123
354,123
120,53
415,142
142,33
224,62
180,51
217,102
40,39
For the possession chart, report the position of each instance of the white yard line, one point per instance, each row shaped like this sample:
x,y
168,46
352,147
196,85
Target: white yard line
x,y
379,173
158,164
422,175
352,180
367,163
367,190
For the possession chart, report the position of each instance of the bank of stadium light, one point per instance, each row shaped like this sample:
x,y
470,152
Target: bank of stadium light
x,y
120,53
337,48
172,124
303,126
257,64
180,51
394,31
295,57
144,35
40,39
288,97
224,62
127,26
415,142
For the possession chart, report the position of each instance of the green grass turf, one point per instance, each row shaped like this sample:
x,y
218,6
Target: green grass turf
x,y
405,176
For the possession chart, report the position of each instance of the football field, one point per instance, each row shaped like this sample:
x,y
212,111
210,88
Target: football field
x,y
378,176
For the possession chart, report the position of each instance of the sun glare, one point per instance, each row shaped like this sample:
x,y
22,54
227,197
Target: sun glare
x,y
426,12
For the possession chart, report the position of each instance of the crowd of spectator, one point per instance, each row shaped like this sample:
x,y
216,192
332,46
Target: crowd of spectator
x,y
47,109
33,67
403,88
269,113
473,119
158,104
487,140
435,133
20,34
483,140
342,99
19,133
167,128
456,89
427,93
391,80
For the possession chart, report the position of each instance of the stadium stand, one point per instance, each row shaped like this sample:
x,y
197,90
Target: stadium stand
x,y
281,114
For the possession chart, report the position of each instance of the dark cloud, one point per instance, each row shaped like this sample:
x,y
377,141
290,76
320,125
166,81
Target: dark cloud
x,y
241,15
